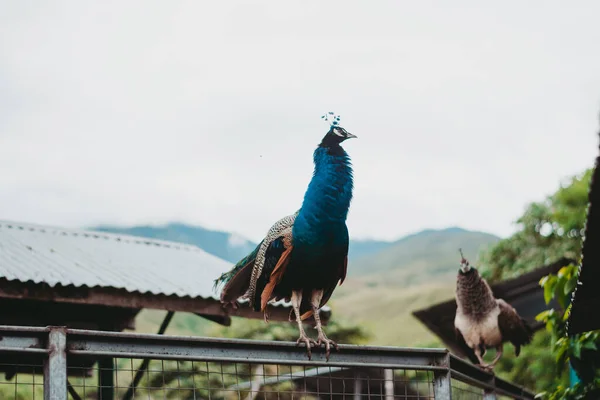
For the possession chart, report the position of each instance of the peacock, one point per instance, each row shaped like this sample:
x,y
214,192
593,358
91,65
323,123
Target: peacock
x,y
304,255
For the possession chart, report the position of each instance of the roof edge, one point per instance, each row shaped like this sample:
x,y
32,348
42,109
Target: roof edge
x,y
129,239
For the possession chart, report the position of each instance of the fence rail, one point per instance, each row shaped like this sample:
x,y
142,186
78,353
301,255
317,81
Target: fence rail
x,y
214,367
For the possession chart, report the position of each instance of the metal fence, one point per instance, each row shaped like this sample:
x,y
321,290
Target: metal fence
x,y
57,363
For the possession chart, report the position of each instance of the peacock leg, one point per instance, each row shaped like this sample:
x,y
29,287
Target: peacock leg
x,y
317,295
482,364
499,350
296,301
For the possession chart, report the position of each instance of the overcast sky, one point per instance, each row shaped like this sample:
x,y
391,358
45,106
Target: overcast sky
x,y
207,112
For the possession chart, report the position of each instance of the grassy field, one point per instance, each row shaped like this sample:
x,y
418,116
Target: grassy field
x,y
386,311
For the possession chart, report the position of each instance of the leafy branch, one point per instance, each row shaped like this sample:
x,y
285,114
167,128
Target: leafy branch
x,y
580,350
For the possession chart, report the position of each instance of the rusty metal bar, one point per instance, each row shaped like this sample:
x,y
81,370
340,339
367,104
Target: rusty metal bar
x,y
128,345
23,340
55,366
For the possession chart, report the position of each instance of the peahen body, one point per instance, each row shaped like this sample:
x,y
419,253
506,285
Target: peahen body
x,y
304,255
482,321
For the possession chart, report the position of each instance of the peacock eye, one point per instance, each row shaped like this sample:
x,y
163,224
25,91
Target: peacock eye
x,y
338,132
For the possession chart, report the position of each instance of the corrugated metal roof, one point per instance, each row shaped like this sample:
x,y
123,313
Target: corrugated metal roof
x,y
65,257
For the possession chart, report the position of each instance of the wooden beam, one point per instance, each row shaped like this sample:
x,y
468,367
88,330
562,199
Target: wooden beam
x,y
27,312
121,298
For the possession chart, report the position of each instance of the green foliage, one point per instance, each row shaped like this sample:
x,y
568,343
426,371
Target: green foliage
x,y
580,350
549,230
534,368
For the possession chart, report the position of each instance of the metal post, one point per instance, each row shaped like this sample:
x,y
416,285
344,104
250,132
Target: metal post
x,y
55,366
106,379
442,385
389,384
442,381
357,386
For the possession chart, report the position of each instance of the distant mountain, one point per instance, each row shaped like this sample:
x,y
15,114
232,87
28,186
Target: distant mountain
x,y
362,248
225,245
420,257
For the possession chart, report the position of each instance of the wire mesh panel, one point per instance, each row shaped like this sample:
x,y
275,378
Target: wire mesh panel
x,y
461,390
165,379
55,363
21,380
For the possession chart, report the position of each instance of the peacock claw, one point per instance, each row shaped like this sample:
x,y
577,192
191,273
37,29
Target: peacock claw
x,y
308,342
233,304
322,339
486,367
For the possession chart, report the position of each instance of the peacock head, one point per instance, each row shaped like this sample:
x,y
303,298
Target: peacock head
x,y
336,133
465,267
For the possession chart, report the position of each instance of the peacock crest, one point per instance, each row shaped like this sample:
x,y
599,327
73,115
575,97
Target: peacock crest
x,y
332,118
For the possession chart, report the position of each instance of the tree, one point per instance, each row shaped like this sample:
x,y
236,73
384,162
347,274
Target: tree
x,y
548,231
581,351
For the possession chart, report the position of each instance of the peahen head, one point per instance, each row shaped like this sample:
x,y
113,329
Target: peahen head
x,y
465,267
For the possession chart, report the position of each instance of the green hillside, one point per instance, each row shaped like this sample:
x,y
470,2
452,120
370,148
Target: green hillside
x,y
430,255
362,248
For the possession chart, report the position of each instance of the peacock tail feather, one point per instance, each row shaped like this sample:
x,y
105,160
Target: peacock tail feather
x,y
275,231
226,276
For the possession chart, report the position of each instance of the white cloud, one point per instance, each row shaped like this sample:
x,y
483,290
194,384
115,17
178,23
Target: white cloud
x,y
209,112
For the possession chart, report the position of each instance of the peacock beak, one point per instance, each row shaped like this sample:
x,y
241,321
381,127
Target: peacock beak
x,y
350,136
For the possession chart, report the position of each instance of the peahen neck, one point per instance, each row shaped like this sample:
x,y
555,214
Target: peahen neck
x,y
327,199
474,296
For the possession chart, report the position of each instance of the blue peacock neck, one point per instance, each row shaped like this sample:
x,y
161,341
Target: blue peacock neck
x,y
327,199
